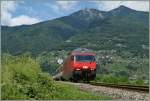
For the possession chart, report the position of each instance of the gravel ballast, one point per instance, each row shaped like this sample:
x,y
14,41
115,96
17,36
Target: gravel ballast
x,y
115,93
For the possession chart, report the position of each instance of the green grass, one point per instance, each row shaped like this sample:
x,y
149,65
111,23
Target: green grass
x,y
22,79
71,92
111,79
118,80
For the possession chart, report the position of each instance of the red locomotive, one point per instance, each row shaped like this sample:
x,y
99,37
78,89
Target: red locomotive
x,y
79,65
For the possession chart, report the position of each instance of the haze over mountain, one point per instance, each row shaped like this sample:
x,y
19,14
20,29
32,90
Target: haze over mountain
x,y
121,29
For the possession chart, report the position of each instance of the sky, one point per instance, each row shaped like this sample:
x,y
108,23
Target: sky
x,y
27,12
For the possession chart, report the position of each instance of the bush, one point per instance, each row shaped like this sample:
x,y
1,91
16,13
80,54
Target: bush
x,y
22,79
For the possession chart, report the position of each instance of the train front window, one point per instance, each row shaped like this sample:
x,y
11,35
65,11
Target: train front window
x,y
85,58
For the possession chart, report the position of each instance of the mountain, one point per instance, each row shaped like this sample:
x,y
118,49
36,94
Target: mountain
x,y
121,29
83,18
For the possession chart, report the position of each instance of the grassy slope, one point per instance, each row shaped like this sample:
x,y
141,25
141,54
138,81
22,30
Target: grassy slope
x,y
22,78
71,92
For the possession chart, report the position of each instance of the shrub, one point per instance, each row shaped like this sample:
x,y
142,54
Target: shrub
x,y
22,79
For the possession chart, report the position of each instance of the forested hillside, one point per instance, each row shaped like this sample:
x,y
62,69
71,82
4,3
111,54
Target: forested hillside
x,y
121,29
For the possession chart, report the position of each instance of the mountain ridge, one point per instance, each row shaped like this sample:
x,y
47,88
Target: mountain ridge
x,y
120,7
82,27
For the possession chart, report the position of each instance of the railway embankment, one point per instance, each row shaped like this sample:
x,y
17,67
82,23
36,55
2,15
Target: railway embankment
x,y
115,93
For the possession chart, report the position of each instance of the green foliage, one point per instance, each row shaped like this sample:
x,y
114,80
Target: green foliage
x,y
48,60
66,92
22,79
133,69
118,80
112,79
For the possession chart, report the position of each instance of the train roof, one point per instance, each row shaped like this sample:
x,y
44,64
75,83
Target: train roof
x,y
82,51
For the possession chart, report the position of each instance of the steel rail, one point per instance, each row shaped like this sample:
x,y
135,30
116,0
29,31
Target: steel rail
x,y
123,86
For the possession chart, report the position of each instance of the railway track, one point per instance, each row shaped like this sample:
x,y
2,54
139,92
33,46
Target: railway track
x,y
128,87
121,86
116,92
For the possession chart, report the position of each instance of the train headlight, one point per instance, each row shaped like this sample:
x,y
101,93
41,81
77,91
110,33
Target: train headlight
x,y
78,69
92,68
85,67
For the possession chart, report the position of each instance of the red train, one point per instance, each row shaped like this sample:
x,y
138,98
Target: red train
x,y
79,65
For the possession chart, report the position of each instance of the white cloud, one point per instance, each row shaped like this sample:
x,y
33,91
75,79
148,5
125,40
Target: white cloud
x,y
59,7
7,7
23,20
109,5
66,5
137,5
